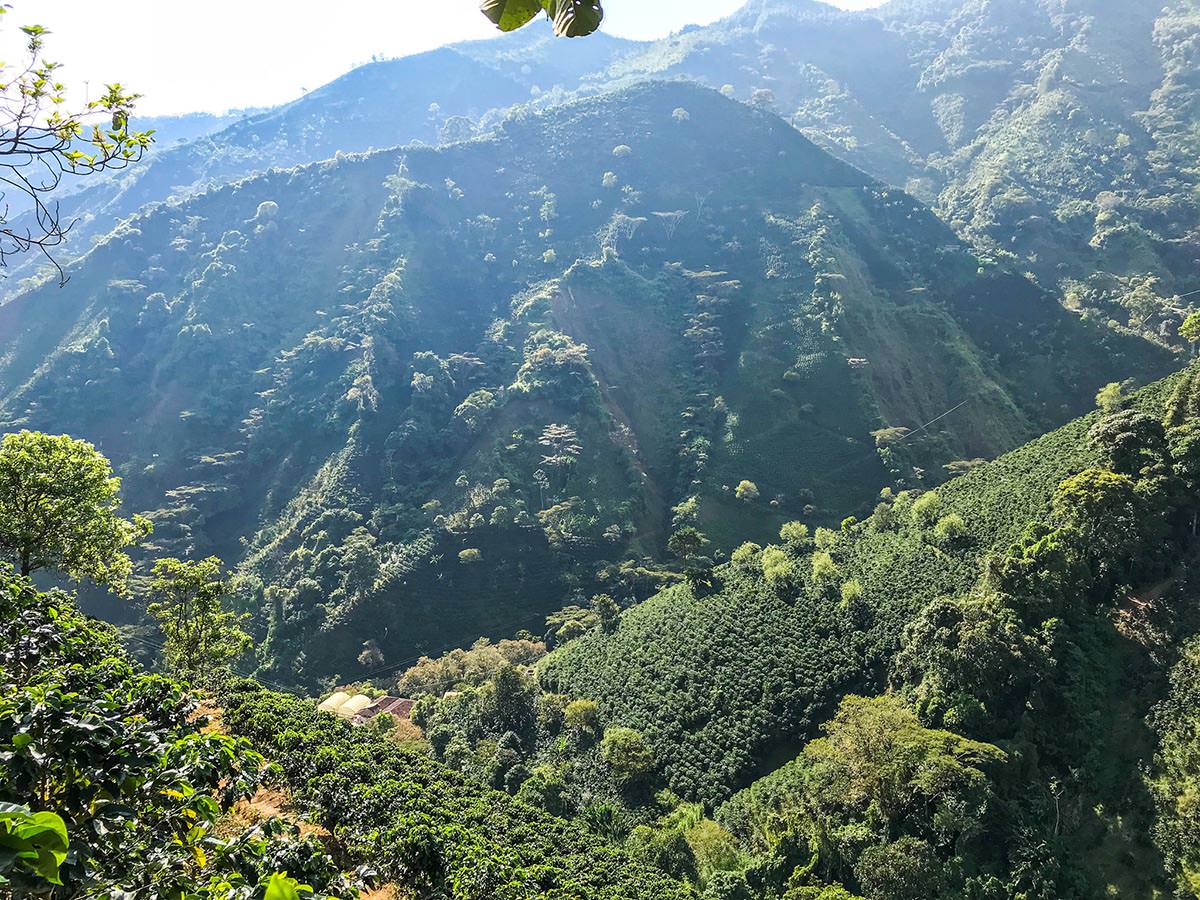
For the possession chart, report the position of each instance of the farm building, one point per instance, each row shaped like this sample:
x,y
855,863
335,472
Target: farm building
x,y
359,708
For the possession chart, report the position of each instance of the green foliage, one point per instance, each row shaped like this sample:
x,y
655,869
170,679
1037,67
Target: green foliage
x,y
836,892
824,569
1175,778
746,555
119,758
58,510
686,542
570,623
666,849
746,491
926,508
1103,509
1110,397
32,845
779,569
582,714
280,887
795,536
571,18
482,662
824,538
950,528
1129,441
880,798
608,613
852,593
627,754
970,665
477,409
424,826
1185,400
712,724
44,139
1190,329
723,672
200,635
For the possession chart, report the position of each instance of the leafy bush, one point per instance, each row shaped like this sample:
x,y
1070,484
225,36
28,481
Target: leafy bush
x,y
627,753
114,762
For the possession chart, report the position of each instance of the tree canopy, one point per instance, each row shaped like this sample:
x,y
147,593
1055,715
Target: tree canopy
x,y
59,504
199,633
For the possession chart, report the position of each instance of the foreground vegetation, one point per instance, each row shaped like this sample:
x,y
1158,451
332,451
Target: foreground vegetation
x,y
112,785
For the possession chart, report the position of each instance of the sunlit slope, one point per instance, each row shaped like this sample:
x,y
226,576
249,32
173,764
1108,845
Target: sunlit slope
x,y
339,375
729,680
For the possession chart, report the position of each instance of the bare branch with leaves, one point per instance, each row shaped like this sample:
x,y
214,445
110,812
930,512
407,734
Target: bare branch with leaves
x,y
42,143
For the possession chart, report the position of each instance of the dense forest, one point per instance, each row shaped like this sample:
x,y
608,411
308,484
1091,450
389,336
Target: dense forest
x,y
757,464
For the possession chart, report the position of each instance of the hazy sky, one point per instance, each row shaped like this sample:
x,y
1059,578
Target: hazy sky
x,y
221,54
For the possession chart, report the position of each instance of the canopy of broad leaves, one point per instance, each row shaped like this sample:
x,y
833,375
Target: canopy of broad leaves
x,y
571,18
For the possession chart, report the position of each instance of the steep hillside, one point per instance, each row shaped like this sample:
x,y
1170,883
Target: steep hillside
x,y
444,95
430,394
1059,135
728,680
152,793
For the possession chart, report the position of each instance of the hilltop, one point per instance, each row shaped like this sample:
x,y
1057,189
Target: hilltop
x,y
443,95
1054,136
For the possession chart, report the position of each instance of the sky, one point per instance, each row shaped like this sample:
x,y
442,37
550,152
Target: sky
x,y
227,54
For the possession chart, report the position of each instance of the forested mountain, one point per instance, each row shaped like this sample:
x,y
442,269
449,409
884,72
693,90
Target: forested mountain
x,y
1027,619
798,649
443,95
1059,134
376,427
729,677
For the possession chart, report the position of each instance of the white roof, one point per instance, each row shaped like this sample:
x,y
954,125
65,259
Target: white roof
x,y
332,703
353,706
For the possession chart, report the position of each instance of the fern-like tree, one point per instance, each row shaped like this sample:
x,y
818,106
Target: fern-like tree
x,y
200,634
562,448
43,141
59,503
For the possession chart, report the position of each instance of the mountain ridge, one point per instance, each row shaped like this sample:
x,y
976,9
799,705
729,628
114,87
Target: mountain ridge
x,y
508,290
